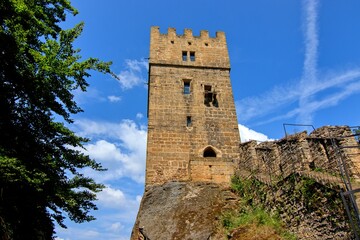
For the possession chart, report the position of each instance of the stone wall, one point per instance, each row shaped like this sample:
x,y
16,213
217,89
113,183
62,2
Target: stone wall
x,y
302,179
209,51
211,170
312,155
182,125
307,208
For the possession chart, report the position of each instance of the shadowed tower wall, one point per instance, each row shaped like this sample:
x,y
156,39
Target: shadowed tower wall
x,y
192,125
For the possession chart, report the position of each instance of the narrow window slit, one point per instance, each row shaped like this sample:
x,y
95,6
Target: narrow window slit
x,y
188,121
192,56
184,56
186,86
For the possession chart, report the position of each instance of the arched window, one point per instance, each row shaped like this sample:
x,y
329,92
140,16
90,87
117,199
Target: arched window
x,y
209,152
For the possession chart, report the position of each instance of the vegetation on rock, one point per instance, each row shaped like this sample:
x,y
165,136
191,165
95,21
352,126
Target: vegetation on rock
x,y
252,221
296,203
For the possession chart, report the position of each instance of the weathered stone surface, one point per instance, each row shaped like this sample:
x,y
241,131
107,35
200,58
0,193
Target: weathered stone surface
x,y
181,126
183,210
325,219
193,136
305,154
192,140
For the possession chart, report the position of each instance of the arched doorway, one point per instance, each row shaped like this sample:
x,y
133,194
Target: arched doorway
x,y
209,152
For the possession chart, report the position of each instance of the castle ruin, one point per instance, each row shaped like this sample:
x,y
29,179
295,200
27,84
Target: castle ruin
x,y
193,148
192,126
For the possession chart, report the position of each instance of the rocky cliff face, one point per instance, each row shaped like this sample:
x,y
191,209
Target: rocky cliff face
x,y
183,210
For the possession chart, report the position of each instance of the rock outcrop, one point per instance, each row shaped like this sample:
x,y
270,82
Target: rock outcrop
x,y
183,210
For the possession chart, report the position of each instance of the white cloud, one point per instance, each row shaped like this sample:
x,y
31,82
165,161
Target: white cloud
x,y
115,218
104,151
270,102
119,147
267,103
139,115
344,84
91,233
78,233
114,98
121,209
311,42
116,227
133,75
138,198
91,94
309,77
112,198
247,134
311,94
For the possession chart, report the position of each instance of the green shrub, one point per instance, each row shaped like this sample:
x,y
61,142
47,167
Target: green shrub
x,y
251,211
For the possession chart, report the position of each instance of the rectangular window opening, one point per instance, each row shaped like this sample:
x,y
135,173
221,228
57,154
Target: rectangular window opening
x,y
186,86
192,56
188,121
184,56
208,95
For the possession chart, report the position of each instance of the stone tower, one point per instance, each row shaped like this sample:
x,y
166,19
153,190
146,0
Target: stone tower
x,y
192,126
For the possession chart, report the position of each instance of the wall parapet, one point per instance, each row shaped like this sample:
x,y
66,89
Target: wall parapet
x,y
188,50
188,33
314,155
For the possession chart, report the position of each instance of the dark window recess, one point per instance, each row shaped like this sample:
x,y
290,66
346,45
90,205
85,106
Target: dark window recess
x,y
207,95
184,56
186,87
209,152
188,121
215,101
192,56
210,97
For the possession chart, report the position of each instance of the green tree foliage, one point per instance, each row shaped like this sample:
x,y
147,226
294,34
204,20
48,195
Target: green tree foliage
x,y
39,157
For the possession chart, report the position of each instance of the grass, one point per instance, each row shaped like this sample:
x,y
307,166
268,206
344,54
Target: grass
x,y
256,220
253,221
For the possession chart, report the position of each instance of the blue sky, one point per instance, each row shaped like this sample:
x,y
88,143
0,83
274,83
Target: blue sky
x,y
291,62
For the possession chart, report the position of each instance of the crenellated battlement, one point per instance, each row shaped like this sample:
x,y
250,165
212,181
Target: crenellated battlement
x,y
188,50
188,33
